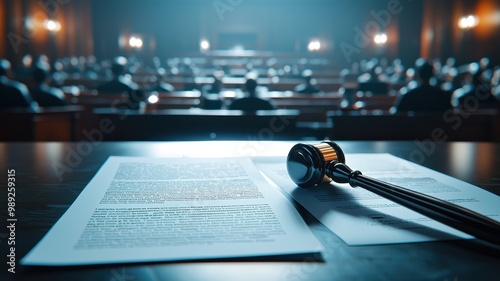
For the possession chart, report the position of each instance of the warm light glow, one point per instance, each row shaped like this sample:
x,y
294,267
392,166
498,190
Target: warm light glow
x,y
204,45
135,42
380,39
468,22
52,25
314,45
495,18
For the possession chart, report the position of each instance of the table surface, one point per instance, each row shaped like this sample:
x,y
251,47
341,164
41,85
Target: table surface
x,y
42,196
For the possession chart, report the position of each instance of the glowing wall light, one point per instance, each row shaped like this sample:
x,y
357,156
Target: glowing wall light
x,y
313,46
52,25
135,42
204,45
380,39
468,22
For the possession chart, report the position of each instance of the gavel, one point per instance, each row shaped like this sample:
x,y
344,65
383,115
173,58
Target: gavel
x,y
310,165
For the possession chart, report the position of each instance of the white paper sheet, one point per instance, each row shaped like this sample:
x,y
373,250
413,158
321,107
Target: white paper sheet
x,y
153,209
360,217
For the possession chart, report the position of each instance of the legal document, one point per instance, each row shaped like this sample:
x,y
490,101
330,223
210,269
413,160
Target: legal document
x,y
164,209
360,217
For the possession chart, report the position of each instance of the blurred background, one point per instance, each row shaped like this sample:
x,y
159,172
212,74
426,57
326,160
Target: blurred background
x,y
336,69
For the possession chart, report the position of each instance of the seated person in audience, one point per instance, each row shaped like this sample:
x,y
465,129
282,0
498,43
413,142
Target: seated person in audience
x,y
162,85
120,82
90,68
448,66
495,82
372,82
23,73
495,77
251,102
136,100
485,67
348,78
398,75
210,98
157,84
59,75
42,93
423,96
475,90
189,73
448,83
217,85
370,71
12,93
309,86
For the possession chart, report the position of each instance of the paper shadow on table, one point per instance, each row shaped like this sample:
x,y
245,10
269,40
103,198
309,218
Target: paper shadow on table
x,y
327,192
299,258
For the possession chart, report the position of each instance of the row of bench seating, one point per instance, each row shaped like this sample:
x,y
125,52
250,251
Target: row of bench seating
x,y
284,84
312,108
75,123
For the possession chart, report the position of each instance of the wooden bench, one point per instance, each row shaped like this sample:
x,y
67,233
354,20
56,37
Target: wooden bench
x,y
44,124
198,124
481,125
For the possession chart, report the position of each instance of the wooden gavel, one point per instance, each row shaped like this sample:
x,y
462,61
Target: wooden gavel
x,y
309,165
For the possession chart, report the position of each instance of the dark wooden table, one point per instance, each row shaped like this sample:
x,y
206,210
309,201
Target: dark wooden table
x,y
49,177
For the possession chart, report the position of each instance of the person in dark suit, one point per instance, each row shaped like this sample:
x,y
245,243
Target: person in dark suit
x,y
120,82
12,93
309,86
123,84
374,80
423,96
42,93
251,102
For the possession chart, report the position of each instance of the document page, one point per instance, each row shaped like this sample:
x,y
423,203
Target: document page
x,y
360,217
152,209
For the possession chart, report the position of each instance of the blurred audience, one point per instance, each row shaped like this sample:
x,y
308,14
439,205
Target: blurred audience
x,y
309,86
217,85
423,96
156,82
13,93
42,93
476,93
210,93
59,76
121,83
424,88
373,79
23,72
252,101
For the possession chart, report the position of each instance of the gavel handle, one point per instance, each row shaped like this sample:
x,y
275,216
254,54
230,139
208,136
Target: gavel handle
x,y
450,214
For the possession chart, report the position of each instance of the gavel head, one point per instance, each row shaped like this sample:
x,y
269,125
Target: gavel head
x,y
306,164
